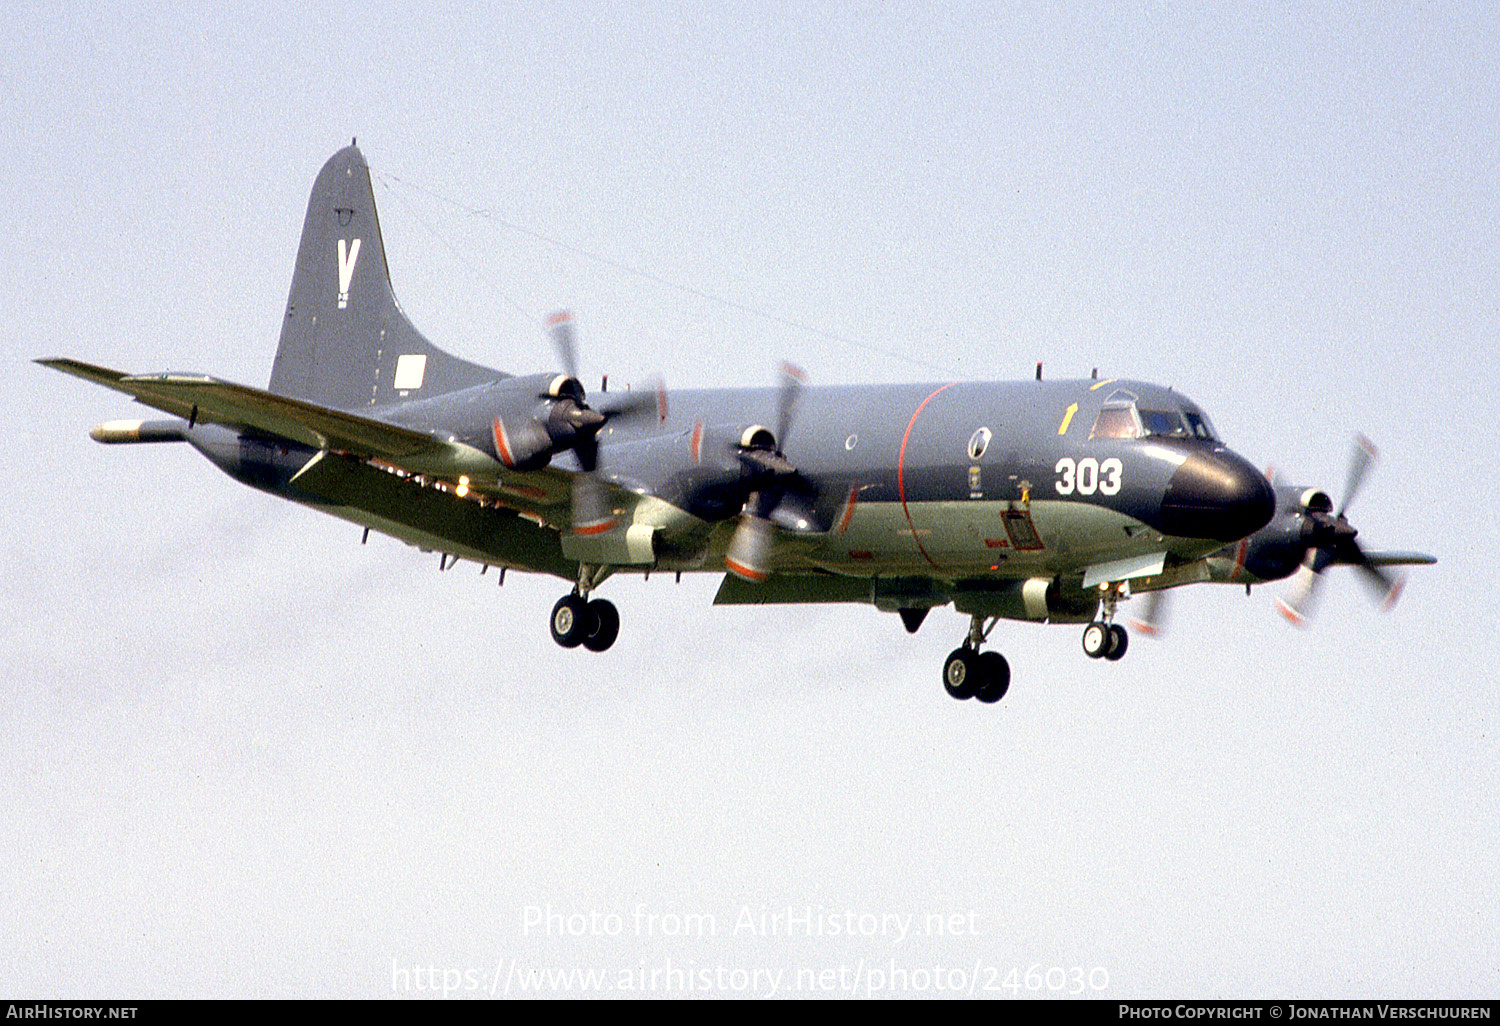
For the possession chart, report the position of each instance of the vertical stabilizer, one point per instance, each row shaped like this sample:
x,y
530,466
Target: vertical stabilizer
x,y
345,342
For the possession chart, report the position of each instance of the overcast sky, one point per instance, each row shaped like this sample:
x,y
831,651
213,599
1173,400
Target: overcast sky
x,y
242,755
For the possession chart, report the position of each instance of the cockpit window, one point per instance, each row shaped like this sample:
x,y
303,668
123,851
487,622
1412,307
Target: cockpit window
x,y
1164,422
1116,420
1200,426
1124,417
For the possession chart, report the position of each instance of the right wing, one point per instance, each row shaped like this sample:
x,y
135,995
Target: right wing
x,y
547,492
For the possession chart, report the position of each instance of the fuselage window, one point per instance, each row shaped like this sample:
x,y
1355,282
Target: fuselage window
x,y
1116,422
978,442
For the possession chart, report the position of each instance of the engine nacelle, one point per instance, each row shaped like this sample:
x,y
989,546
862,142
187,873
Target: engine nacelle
x,y
1276,550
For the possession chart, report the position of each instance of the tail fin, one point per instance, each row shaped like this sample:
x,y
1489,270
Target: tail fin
x,y
345,342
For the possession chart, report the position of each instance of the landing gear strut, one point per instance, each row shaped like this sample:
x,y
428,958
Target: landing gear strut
x,y
970,673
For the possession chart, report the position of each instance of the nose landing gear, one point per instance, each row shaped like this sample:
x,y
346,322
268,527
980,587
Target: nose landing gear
x,y
1105,639
970,673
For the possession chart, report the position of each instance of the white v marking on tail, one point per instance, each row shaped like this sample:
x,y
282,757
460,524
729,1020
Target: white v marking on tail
x,y
348,253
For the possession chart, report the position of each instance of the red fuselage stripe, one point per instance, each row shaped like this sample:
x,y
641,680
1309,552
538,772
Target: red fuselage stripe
x,y
901,471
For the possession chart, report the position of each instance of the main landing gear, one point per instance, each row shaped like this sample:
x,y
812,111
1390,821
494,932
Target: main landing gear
x,y
970,673
579,620
592,623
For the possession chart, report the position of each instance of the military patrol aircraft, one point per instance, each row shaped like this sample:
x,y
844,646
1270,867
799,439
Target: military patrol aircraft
x,y
1030,500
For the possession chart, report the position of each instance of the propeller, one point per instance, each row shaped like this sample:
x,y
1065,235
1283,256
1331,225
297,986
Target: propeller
x,y
1304,539
778,495
570,424
1329,540
1153,619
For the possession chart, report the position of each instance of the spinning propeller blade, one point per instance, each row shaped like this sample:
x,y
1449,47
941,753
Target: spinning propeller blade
x,y
1331,541
770,477
1153,619
570,424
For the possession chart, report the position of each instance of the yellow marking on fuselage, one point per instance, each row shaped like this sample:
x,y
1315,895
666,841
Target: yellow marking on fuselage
x,y
1062,428
1095,388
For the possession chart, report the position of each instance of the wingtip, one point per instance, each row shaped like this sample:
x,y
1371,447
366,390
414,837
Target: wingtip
x,y
80,369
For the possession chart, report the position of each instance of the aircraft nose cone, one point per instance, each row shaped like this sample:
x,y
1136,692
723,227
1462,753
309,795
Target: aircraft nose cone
x,y
1217,495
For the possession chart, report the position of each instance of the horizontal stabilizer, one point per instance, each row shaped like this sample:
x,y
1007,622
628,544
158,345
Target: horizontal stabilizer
x,y
206,400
